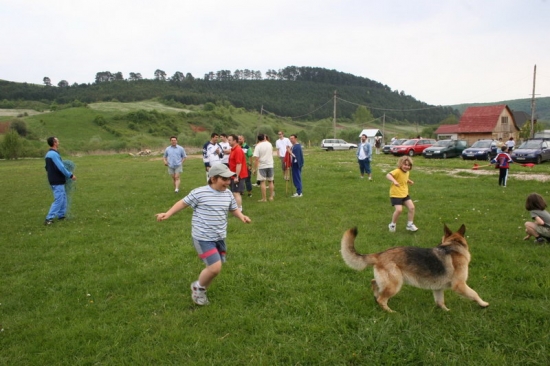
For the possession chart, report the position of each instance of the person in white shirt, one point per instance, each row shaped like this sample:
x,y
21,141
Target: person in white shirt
x,y
263,154
282,144
226,149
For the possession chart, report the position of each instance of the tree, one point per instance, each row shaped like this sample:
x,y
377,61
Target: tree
x,y
103,76
118,76
189,77
63,84
178,76
47,81
12,145
134,76
160,75
362,115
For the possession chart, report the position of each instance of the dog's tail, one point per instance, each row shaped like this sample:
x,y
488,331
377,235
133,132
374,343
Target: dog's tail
x,y
353,259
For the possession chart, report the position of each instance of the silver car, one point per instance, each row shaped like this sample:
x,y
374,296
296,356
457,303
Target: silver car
x,y
336,144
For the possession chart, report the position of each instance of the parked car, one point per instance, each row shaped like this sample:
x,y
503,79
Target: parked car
x,y
533,151
387,148
412,147
336,144
480,150
445,149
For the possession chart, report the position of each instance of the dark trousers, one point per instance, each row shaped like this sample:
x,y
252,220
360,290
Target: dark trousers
x,y
297,177
502,176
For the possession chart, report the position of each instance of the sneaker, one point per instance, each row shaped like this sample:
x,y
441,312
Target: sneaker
x,y
176,191
249,194
540,240
199,294
412,227
297,195
392,228
48,222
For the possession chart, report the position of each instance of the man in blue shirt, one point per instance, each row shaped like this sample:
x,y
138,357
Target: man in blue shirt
x,y
297,164
174,156
364,155
57,176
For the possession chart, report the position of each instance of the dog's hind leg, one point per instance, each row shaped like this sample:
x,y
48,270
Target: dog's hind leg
x,y
463,289
439,297
375,289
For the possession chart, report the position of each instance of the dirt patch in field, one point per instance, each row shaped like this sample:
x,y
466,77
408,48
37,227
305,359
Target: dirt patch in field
x,y
459,173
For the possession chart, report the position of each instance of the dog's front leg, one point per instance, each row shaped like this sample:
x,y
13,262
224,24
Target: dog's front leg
x,y
463,289
439,297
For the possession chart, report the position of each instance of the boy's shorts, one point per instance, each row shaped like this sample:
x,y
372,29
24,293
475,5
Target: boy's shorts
x,y
395,201
210,251
265,174
543,231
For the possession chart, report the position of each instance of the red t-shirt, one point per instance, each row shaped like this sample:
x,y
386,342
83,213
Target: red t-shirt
x,y
237,157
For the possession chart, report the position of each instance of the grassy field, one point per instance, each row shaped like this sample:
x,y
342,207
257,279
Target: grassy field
x,y
110,286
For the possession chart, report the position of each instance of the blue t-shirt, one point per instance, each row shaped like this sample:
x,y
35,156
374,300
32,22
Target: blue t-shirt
x,y
174,155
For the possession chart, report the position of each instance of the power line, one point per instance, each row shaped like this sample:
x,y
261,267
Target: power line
x,y
303,115
388,109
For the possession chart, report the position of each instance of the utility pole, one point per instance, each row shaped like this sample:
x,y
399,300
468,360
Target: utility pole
x,y
334,116
384,127
533,104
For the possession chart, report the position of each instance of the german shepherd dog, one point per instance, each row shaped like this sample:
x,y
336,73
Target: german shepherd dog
x,y
436,269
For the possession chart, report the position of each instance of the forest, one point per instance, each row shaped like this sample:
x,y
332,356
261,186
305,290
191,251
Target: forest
x,y
300,93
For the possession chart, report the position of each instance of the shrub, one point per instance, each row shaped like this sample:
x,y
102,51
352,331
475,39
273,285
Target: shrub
x,y
11,146
19,126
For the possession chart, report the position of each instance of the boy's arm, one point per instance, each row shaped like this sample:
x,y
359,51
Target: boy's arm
x,y
238,214
178,206
392,179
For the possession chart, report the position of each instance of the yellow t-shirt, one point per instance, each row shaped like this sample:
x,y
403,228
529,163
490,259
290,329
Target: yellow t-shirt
x,y
402,178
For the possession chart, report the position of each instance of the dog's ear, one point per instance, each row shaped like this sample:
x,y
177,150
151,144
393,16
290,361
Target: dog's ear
x,y
447,231
462,230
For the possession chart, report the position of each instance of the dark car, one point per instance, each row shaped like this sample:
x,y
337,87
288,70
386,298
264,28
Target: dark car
x,y
412,147
387,148
445,149
532,151
480,150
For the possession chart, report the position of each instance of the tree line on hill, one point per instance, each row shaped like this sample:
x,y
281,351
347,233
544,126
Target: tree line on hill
x,y
302,93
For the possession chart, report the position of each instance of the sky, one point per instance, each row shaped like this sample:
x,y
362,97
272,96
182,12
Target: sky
x,y
439,52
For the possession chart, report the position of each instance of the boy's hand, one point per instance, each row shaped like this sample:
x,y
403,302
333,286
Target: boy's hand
x,y
161,216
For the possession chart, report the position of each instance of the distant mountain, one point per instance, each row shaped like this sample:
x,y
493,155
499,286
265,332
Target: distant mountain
x,y
542,106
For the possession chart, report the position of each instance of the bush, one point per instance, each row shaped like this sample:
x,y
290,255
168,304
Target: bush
x,y
19,126
11,146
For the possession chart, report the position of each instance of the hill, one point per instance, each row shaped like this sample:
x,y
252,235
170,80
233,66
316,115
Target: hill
x,y
301,93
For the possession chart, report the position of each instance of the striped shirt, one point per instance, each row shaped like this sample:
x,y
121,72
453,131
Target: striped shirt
x,y
210,208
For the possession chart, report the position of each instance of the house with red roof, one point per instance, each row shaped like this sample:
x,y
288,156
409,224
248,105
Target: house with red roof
x,y
481,123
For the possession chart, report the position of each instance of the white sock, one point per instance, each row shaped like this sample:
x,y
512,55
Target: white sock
x,y
409,223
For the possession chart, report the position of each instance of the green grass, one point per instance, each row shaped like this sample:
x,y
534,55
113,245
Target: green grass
x,y
110,286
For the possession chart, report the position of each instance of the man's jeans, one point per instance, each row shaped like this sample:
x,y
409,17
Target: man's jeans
x,y
59,205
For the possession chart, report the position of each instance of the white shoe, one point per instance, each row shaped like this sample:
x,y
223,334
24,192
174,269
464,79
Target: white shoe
x,y
392,228
199,294
176,190
297,195
412,227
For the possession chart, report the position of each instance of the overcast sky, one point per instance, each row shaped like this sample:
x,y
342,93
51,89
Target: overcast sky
x,y
440,52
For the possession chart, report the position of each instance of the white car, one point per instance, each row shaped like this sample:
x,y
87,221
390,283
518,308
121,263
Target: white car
x,y
336,144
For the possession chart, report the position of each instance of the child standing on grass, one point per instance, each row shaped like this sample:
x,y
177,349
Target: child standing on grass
x,y
399,192
540,227
210,205
502,161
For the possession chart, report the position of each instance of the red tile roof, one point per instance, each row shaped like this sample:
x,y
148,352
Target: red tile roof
x,y
444,129
480,119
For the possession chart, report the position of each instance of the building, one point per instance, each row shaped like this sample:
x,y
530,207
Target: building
x,y
482,123
371,133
